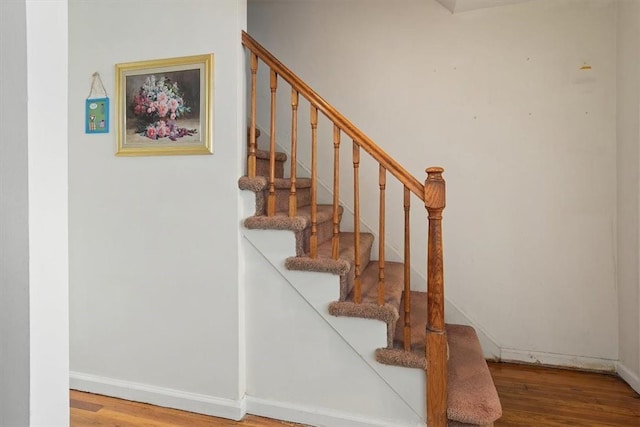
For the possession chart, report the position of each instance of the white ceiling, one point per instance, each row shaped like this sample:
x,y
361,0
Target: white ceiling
x,y
457,6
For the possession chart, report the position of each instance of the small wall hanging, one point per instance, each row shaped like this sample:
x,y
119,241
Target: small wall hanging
x,y
97,108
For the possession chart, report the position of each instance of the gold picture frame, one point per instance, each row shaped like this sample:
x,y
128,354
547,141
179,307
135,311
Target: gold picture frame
x,y
165,106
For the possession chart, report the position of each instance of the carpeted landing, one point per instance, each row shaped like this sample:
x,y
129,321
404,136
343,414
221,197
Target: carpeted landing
x,y
472,397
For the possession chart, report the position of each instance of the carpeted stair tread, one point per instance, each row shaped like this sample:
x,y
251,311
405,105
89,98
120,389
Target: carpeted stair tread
x,y
369,308
393,284
473,398
264,155
324,263
282,221
263,164
299,224
416,357
261,183
344,266
260,186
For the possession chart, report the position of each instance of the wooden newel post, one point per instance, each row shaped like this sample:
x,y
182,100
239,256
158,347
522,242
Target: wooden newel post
x,y
436,341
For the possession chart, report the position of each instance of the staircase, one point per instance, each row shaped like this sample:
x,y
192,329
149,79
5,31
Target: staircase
x,y
460,390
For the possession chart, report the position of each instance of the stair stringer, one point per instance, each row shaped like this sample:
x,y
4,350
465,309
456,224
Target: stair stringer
x,y
364,336
299,369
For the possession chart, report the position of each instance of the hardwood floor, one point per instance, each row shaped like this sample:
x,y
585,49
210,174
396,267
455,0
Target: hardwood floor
x,y
530,395
538,396
95,410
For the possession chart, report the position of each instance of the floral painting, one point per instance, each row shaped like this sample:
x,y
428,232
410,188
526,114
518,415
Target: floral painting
x,y
164,106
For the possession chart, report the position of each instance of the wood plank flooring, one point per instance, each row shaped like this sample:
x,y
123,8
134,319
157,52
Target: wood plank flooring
x,y
530,395
102,411
539,396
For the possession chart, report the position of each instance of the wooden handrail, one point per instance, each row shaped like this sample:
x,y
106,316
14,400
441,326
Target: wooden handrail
x,y
406,178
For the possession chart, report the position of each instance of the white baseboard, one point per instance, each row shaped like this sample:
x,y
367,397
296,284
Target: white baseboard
x,y
314,416
629,376
166,397
560,360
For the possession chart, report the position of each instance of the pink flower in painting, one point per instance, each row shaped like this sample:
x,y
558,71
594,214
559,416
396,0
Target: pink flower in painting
x,y
163,109
173,104
157,106
163,129
162,97
151,132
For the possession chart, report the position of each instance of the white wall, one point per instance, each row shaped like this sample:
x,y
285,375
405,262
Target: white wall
x,y
34,361
628,136
155,285
528,142
14,222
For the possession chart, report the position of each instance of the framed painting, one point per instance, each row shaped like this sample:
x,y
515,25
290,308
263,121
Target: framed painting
x,y
165,106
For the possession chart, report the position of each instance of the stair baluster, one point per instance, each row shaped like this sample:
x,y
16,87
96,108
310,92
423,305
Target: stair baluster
x,y
271,204
382,179
357,296
407,270
335,242
251,160
293,197
313,242
436,338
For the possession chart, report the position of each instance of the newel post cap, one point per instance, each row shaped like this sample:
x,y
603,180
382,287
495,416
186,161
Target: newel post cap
x,y
434,189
